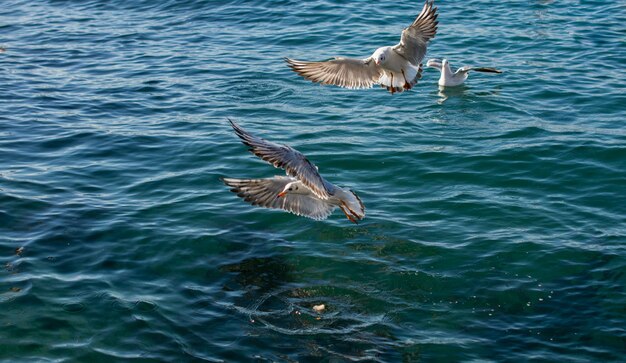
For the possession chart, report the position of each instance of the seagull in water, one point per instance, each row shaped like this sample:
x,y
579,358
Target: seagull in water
x,y
395,68
449,79
303,192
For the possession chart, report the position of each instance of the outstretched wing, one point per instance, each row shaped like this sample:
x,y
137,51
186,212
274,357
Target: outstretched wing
x,y
342,72
415,37
434,63
285,157
264,193
466,69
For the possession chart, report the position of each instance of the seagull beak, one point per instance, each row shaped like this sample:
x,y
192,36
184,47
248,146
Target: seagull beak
x,y
377,62
349,213
281,194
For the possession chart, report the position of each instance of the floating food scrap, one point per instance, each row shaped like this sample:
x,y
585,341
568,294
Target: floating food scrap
x,y
319,308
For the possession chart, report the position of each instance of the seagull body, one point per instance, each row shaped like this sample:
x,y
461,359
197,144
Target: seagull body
x,y
450,79
303,191
395,68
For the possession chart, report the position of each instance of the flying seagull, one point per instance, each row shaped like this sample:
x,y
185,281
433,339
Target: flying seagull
x,y
449,79
395,68
303,191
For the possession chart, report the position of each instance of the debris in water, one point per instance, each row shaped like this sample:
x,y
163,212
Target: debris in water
x,y
19,251
319,308
16,289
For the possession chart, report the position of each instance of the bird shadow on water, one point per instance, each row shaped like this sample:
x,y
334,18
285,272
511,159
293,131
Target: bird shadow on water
x,y
312,318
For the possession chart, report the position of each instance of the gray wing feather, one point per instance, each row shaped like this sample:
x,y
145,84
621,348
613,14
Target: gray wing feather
x,y
415,37
342,72
466,69
263,192
285,157
434,63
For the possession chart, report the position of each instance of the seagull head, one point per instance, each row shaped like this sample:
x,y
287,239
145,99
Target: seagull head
x,y
351,205
444,62
289,188
380,55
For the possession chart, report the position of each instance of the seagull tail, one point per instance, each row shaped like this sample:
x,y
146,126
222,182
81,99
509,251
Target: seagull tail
x,y
404,81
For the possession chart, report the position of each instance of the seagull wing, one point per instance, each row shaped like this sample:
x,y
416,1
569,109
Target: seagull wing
x,y
285,157
466,69
264,193
342,72
434,63
415,37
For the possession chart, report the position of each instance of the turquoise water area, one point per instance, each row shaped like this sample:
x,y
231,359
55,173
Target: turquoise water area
x,y
496,212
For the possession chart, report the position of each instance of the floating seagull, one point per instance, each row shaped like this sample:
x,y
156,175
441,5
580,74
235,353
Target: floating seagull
x,y
449,79
303,192
395,68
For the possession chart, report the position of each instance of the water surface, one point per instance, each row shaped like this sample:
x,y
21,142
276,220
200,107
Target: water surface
x,y
495,223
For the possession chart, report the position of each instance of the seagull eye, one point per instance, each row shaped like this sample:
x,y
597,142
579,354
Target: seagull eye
x,y
290,189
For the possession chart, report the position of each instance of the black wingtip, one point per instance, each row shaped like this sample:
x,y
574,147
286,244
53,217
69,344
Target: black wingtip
x,y
240,132
223,180
487,70
291,64
235,126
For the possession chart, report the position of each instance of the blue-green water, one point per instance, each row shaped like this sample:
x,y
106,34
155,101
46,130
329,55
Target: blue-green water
x,y
496,213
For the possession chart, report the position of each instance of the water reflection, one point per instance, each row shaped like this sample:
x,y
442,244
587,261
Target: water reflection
x,y
447,92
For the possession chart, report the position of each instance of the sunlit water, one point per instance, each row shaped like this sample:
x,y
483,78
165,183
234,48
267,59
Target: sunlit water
x,y
495,225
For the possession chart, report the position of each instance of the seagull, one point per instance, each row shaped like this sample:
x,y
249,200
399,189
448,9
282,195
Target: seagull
x,y
395,68
449,79
303,191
